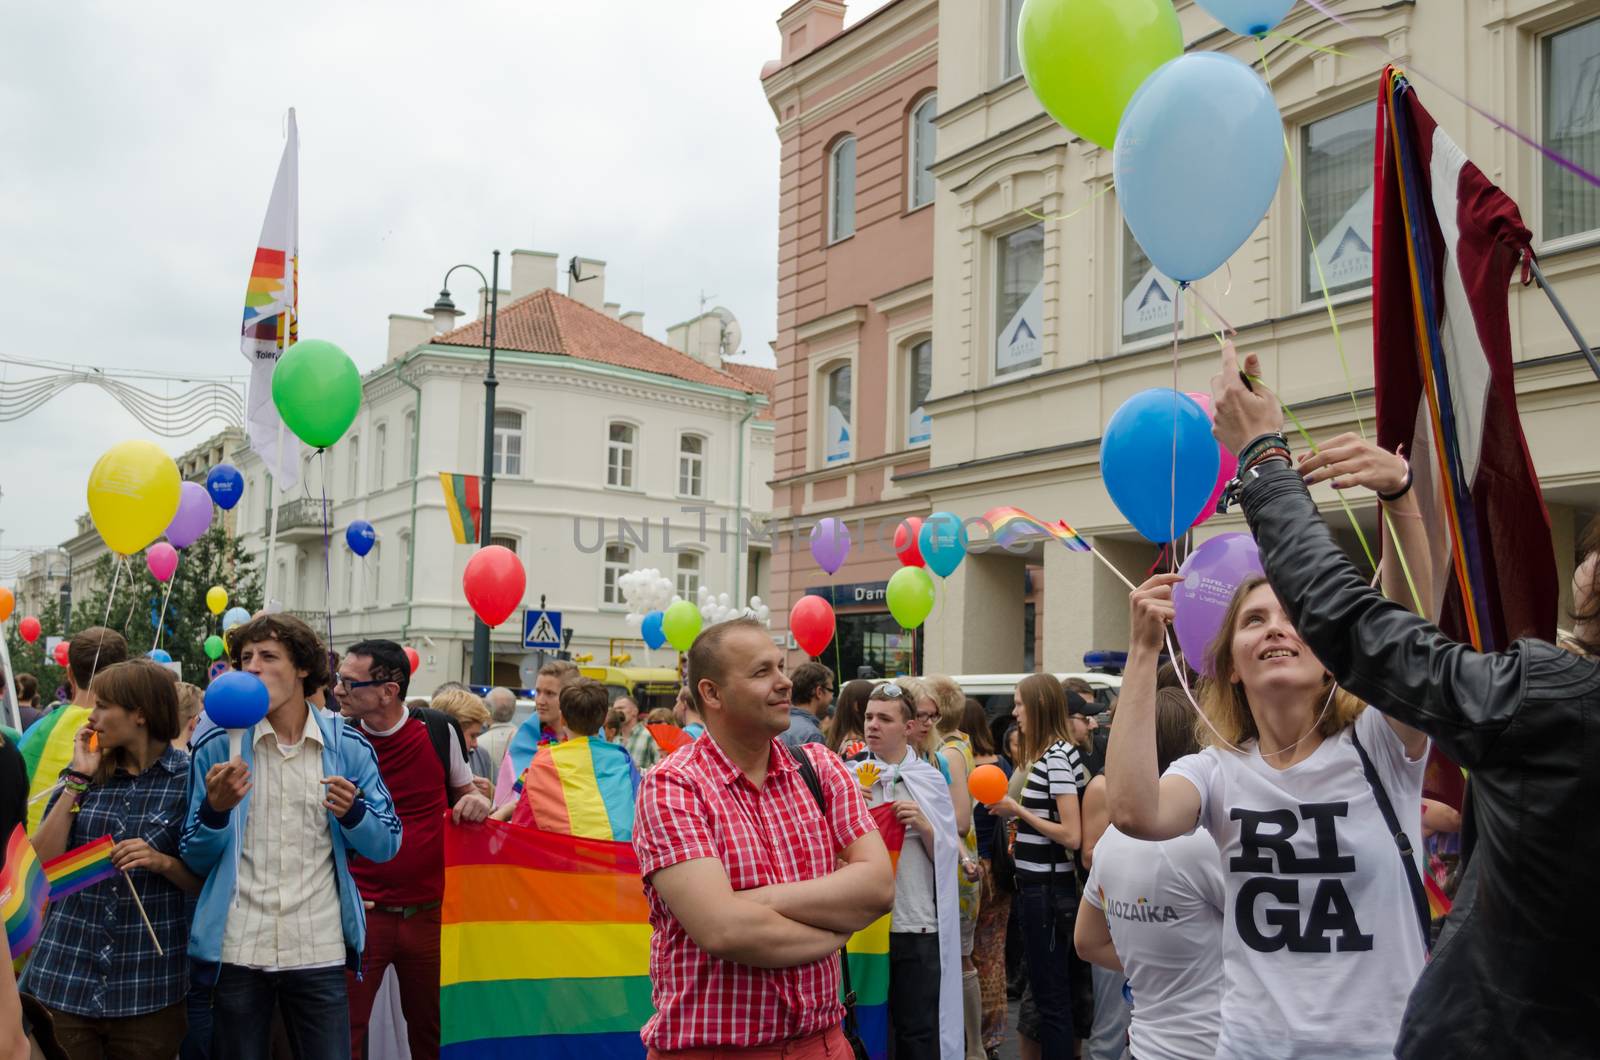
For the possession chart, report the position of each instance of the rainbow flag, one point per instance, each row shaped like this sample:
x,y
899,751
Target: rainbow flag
x,y
583,787
24,893
868,949
47,750
1014,524
80,868
461,503
544,948
1438,902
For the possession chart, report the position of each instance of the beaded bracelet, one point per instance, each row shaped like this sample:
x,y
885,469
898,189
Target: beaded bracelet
x,y
1250,453
1276,452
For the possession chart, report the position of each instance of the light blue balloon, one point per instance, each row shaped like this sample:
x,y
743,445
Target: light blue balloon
x,y
160,655
1136,462
943,541
235,616
1197,162
1248,18
651,630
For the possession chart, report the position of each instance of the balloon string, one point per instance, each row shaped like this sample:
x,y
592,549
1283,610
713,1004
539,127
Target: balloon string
x,y
1172,507
162,621
833,606
1072,213
1180,666
1324,49
327,548
116,573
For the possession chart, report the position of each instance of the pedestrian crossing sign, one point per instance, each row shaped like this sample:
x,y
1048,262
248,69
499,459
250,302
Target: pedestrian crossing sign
x,y
541,629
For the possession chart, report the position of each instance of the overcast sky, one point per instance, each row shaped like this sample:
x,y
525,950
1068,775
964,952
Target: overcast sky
x,y
138,144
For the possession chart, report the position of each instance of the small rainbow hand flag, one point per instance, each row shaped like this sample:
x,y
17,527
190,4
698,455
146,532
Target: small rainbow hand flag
x,y
80,868
24,892
1014,524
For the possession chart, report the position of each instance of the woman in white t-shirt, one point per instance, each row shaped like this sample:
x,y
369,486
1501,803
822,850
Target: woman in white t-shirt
x,y
1153,912
1321,940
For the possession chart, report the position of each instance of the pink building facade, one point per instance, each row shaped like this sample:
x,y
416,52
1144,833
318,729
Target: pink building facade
x,y
855,110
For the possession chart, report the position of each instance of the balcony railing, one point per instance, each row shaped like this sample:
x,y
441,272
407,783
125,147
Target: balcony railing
x,y
303,512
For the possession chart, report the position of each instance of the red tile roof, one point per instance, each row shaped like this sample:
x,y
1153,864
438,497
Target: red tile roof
x,y
549,322
764,380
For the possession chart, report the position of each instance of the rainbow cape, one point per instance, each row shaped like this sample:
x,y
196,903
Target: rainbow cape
x,y
24,892
544,946
47,750
1013,524
583,787
80,868
868,949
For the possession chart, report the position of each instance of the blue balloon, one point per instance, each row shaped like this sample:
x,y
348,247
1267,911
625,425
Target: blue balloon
x,y
234,616
650,628
1248,18
1136,462
943,541
236,700
225,485
1197,162
360,536
160,655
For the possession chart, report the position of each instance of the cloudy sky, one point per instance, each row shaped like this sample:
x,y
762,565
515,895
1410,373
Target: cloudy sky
x,y
140,142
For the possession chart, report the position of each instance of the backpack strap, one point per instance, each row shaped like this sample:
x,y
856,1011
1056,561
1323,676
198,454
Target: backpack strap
x,y
441,726
1419,897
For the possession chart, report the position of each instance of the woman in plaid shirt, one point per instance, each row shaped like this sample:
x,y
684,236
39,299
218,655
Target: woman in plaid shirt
x,y
96,967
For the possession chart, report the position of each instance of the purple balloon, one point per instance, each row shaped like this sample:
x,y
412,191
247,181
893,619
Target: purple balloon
x,y
830,544
1211,575
193,518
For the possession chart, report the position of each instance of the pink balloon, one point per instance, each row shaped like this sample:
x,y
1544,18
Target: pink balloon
x,y
1225,471
162,559
193,518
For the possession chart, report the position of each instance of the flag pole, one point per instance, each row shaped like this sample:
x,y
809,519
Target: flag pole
x,y
1566,318
272,524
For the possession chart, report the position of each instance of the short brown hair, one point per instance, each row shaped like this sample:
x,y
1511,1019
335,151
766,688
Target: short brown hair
x,y
91,649
583,706
615,720
561,669
809,677
191,701
142,686
462,705
704,658
28,689
305,648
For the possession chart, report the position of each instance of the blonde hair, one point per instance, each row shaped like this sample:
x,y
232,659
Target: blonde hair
x,y
952,702
462,705
191,701
1222,698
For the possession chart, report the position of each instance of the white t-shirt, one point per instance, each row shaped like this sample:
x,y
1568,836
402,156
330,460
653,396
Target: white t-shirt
x,y
1163,903
1321,944
460,774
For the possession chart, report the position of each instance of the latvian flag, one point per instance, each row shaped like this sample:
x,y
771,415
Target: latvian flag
x,y
1446,242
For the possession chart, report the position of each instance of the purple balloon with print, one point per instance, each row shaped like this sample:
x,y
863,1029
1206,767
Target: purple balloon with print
x,y
1211,575
193,518
830,544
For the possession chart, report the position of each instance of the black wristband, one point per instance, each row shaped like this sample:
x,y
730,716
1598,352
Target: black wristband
x,y
1405,488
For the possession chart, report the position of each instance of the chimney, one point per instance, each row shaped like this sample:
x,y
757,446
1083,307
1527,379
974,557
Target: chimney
x,y
613,309
586,282
807,24
406,333
533,270
700,338
633,318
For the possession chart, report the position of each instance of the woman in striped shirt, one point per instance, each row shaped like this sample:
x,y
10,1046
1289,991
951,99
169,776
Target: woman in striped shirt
x,y
1048,833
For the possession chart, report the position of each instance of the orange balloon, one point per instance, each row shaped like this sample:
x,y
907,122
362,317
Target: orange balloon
x,y
988,784
7,602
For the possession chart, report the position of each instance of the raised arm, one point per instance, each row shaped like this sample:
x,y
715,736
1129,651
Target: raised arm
x,y
734,928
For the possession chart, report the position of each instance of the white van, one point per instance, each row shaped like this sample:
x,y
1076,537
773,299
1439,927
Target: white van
x,y
995,691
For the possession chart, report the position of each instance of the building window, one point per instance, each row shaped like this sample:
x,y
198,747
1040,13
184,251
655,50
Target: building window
x,y
1010,59
842,190
355,466
1019,299
1150,301
1571,106
405,564
691,465
688,575
350,562
836,422
374,573
619,456
380,445
1336,181
923,143
619,560
919,374
505,541
411,445
507,442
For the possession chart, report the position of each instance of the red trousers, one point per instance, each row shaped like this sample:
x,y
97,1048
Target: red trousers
x,y
410,945
824,1045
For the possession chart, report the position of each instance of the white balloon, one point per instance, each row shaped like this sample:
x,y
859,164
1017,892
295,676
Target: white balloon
x,y
763,613
755,601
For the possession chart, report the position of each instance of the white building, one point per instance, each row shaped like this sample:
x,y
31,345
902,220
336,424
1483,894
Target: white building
x,y
612,451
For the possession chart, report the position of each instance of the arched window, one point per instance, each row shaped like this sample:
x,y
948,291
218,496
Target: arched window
x,y
619,560
620,440
836,416
691,465
923,144
919,377
842,190
507,442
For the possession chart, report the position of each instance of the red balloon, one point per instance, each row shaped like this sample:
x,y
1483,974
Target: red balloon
x,y
61,655
29,628
811,621
905,542
494,582
413,658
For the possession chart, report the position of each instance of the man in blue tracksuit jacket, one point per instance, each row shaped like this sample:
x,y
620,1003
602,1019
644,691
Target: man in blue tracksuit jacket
x,y
279,917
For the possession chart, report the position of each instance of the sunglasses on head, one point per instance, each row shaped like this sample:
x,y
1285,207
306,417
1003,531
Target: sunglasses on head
x,y
887,691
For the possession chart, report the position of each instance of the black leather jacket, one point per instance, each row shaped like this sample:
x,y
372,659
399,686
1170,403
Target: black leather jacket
x,y
1516,972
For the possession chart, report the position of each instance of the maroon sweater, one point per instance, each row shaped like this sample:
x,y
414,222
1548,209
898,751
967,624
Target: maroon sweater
x,y
415,778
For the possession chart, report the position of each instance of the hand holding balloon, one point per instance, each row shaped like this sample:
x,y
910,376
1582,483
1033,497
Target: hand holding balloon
x,y
1243,412
226,784
1150,606
987,784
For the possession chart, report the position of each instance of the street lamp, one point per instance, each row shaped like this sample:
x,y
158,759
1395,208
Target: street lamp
x,y
480,632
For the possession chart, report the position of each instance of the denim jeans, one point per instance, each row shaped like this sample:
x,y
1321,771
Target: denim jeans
x,y
1047,913
312,1001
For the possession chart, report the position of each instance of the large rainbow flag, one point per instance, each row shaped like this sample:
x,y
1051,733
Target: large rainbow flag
x,y
868,948
46,751
545,946
583,787
24,893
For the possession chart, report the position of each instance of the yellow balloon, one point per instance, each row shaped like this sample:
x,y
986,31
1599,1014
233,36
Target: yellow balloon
x,y
216,599
133,495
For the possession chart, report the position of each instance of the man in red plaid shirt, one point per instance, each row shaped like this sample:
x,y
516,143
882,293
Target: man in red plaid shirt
x,y
752,888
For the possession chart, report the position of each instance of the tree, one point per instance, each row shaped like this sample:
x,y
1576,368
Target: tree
x,y
32,659
215,559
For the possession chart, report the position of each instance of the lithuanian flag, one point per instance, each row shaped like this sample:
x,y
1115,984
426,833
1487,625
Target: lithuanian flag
x,y
461,503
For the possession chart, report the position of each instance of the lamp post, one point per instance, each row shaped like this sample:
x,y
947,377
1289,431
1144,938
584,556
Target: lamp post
x,y
480,632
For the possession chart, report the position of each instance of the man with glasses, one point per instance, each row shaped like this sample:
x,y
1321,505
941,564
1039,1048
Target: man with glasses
x,y
813,702
403,895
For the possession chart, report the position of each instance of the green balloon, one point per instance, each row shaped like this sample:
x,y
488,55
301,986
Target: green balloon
x,y
213,647
1084,59
681,624
317,390
910,595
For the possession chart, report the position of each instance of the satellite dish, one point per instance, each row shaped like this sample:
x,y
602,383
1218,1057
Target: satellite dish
x,y
732,334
